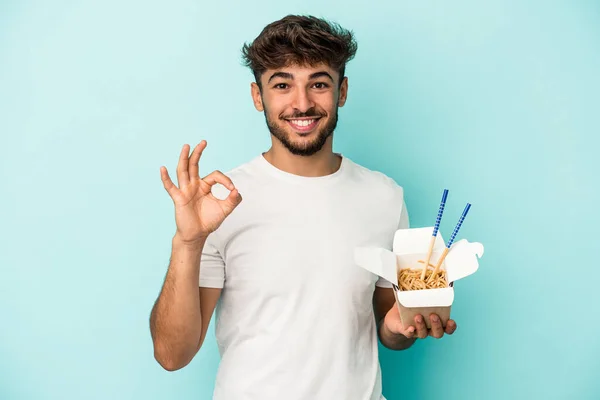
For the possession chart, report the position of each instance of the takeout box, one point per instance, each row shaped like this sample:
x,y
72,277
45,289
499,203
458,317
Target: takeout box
x,y
410,246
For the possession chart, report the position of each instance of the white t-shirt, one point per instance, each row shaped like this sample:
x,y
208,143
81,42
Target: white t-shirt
x,y
295,319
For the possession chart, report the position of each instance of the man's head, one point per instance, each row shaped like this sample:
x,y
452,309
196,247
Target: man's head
x,y
299,63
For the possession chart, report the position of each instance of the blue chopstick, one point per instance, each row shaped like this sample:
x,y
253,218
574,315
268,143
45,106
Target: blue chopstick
x,y
440,212
460,221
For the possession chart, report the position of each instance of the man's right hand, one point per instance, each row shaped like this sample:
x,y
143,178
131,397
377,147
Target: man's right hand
x,y
197,212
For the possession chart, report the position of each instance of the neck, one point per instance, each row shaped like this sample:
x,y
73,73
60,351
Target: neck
x,y
322,163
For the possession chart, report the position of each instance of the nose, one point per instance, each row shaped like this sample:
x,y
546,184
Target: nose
x,y
302,100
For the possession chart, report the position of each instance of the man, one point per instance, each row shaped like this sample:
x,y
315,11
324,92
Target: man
x,y
296,317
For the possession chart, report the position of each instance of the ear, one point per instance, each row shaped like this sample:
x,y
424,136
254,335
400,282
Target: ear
x,y
256,97
343,92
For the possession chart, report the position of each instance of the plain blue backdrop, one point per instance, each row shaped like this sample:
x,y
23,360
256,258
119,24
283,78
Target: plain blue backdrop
x,y
497,101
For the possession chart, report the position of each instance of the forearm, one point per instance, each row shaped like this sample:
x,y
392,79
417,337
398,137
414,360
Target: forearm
x,y
176,322
393,341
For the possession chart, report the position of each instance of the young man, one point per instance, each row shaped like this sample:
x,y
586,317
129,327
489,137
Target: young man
x,y
296,317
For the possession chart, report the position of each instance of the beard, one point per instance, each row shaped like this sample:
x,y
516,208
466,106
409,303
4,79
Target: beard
x,y
306,148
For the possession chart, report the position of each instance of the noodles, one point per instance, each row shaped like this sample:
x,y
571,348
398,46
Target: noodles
x,y
410,279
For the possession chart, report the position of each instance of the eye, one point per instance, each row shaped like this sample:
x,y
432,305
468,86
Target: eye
x,y
321,85
281,86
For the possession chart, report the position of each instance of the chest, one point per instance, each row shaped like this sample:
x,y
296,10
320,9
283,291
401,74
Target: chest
x,y
297,239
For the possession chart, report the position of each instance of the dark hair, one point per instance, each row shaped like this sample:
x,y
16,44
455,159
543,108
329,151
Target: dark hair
x,y
300,40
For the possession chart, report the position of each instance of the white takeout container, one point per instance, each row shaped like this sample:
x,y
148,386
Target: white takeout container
x,y
410,246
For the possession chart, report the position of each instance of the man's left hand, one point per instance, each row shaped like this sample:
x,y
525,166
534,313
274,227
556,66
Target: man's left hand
x,y
419,329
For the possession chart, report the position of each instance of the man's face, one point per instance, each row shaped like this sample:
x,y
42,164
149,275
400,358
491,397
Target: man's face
x,y
300,105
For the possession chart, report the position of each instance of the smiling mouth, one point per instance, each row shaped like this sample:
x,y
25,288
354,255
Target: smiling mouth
x,y
303,125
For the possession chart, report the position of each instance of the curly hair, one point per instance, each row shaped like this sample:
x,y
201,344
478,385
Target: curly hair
x,y
300,40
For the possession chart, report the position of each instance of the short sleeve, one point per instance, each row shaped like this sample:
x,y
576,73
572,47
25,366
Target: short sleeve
x,y
212,265
403,223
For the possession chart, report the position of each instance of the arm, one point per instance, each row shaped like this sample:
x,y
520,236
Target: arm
x,y
384,301
182,312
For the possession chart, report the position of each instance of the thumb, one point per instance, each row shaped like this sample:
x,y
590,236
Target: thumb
x,y
232,201
395,323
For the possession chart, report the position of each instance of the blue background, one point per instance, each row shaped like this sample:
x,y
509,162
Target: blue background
x,y
497,102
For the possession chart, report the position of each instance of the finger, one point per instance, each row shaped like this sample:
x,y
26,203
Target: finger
x,y
219,177
195,158
183,177
450,327
168,183
436,326
410,332
421,327
231,202
393,324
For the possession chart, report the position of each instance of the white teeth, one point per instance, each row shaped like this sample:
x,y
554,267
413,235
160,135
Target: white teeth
x,y
305,122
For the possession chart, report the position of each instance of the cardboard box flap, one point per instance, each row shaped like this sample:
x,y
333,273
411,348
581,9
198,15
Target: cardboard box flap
x,y
462,259
416,240
379,261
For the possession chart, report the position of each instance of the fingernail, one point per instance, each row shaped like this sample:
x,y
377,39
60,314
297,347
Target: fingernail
x,y
435,318
419,319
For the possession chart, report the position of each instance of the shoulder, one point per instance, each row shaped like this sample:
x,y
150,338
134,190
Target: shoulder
x,y
243,170
375,181
241,176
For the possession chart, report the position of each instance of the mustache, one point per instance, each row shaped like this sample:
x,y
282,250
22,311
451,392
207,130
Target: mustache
x,y
310,113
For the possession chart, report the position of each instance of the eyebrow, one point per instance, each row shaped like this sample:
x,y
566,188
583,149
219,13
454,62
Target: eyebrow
x,y
287,75
320,74
283,75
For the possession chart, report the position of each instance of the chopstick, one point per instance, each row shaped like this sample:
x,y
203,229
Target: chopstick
x,y
447,249
435,232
